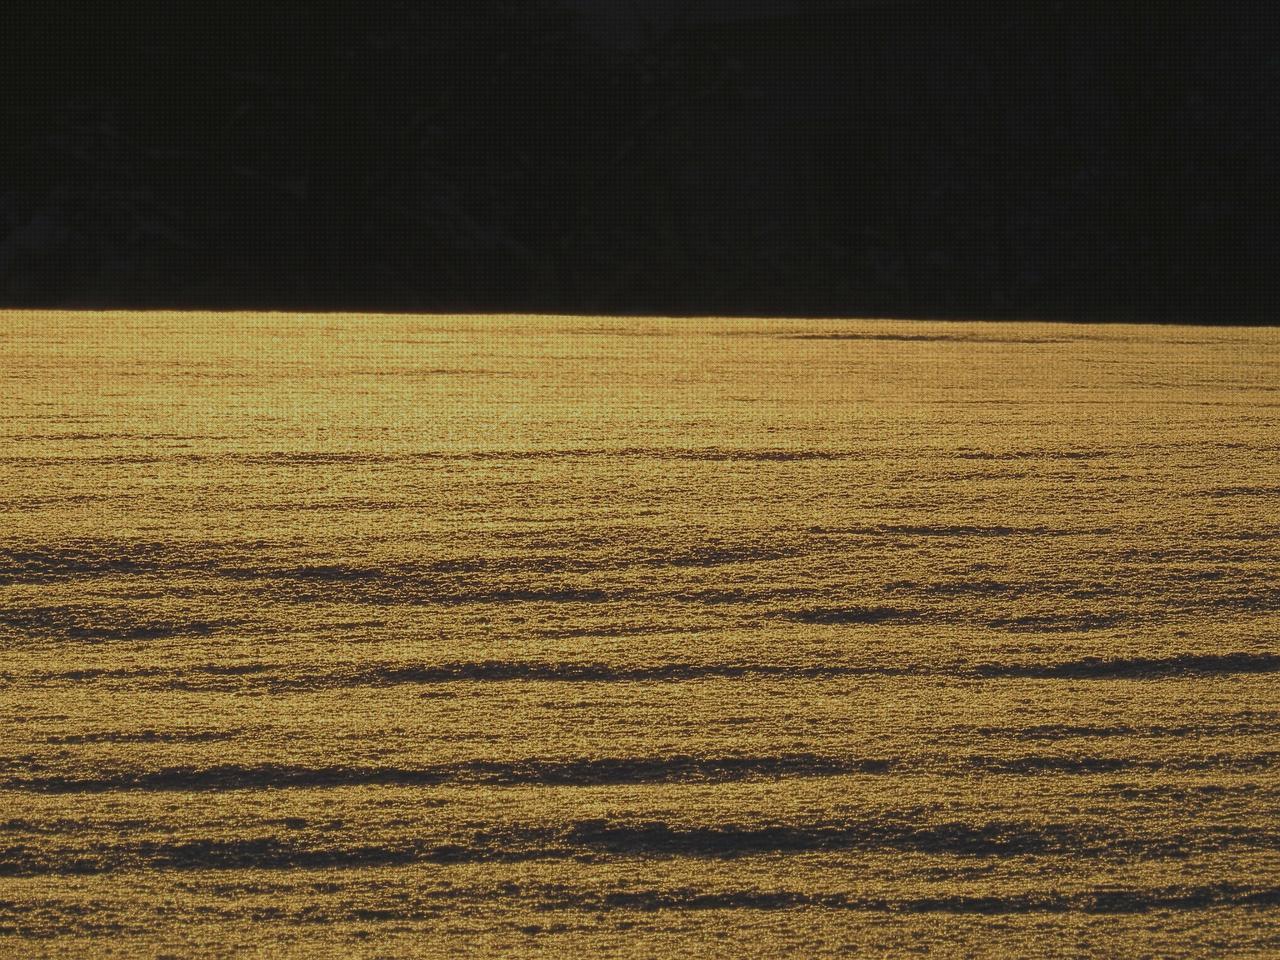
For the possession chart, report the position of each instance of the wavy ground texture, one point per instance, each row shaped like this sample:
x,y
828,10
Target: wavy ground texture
x,y
396,636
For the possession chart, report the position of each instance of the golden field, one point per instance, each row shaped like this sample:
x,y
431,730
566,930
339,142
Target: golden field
x,y
376,636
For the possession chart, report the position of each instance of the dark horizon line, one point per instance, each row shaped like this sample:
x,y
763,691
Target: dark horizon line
x,y
656,313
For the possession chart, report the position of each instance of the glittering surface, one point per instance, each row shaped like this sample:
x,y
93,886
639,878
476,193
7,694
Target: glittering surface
x,y
370,636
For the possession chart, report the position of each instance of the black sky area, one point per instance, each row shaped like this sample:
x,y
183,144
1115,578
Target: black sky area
x,y
1074,161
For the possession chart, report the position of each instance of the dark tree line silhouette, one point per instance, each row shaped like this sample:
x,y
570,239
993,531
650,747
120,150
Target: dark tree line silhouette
x,y
1059,160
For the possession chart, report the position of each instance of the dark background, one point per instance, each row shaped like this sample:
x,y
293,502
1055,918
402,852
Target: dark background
x,y
1084,161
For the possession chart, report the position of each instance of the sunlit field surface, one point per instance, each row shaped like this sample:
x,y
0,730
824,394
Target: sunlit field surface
x,y
374,637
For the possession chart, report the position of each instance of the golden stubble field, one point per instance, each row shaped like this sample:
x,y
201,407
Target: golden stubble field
x,y
398,636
